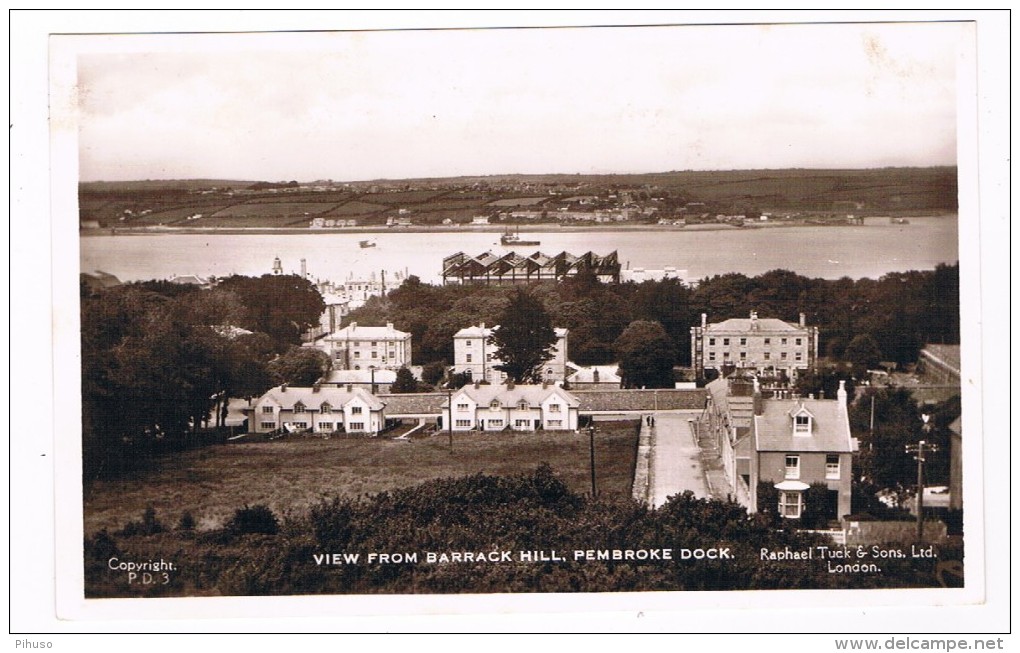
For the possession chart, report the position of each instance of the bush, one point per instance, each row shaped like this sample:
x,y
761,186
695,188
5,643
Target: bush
x,y
254,519
187,521
150,524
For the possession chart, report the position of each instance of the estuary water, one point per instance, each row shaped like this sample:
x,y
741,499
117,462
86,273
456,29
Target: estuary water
x,y
869,250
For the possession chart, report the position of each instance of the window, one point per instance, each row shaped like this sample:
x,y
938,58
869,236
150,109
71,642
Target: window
x,y
375,354
339,355
523,405
711,341
789,504
743,355
355,410
554,408
782,341
463,423
325,426
555,423
725,341
783,355
467,343
726,354
768,355
494,405
325,408
462,408
299,407
743,342
269,425
768,341
793,467
798,356
357,426
797,342
802,424
375,344
357,354
267,410
522,423
495,423
832,466
300,425
468,358
711,355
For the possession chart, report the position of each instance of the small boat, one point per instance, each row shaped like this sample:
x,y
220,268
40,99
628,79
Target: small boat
x,y
366,243
899,221
510,239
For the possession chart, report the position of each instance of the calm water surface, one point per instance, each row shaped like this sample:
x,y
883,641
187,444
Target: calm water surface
x,y
869,250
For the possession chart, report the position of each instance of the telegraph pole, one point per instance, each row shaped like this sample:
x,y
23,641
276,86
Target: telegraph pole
x,y
919,450
591,449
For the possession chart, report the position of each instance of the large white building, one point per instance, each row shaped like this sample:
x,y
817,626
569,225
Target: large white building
x,y
474,354
363,348
764,345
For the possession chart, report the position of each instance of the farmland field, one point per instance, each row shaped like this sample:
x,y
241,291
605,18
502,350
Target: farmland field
x,y
291,475
358,208
519,201
275,208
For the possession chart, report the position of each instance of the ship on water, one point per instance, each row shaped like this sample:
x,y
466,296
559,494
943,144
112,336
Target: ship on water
x,y
367,243
514,238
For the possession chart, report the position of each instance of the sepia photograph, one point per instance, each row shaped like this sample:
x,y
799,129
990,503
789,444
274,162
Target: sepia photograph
x,y
457,319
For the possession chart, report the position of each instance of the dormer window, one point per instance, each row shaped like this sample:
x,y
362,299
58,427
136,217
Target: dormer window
x,y
325,407
522,405
494,405
802,424
299,407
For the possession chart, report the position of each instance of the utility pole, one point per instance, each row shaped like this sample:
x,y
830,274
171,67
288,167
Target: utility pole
x,y
449,416
591,449
919,450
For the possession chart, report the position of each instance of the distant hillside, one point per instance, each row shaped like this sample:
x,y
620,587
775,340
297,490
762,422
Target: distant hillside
x,y
227,203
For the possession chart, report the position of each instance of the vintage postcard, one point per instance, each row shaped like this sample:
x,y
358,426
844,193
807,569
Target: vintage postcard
x,y
560,318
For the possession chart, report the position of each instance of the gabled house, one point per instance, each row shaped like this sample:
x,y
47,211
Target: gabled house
x,y
316,409
798,442
514,407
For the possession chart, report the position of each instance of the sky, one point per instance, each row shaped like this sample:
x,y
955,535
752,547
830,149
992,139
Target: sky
x,y
365,105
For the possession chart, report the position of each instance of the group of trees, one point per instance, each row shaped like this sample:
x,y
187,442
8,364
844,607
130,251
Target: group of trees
x,y
860,322
159,360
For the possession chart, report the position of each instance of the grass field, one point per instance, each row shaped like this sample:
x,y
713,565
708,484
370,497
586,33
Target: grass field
x,y
272,209
291,475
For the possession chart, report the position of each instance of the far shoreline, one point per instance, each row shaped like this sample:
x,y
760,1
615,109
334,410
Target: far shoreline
x,y
526,228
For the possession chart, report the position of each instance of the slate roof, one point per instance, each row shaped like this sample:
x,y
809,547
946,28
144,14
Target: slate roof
x,y
507,396
741,325
431,403
313,398
641,400
607,374
830,428
356,332
949,355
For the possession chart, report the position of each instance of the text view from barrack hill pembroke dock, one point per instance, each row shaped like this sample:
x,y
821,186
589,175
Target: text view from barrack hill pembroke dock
x,y
501,311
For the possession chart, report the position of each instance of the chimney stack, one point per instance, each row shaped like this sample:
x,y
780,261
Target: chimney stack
x,y
283,388
315,387
803,320
304,269
478,384
350,388
704,320
841,393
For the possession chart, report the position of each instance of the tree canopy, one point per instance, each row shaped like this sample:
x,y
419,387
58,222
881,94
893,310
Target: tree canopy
x,y
525,338
647,355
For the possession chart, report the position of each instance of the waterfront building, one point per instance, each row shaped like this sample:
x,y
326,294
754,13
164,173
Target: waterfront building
x,y
513,268
762,345
475,355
